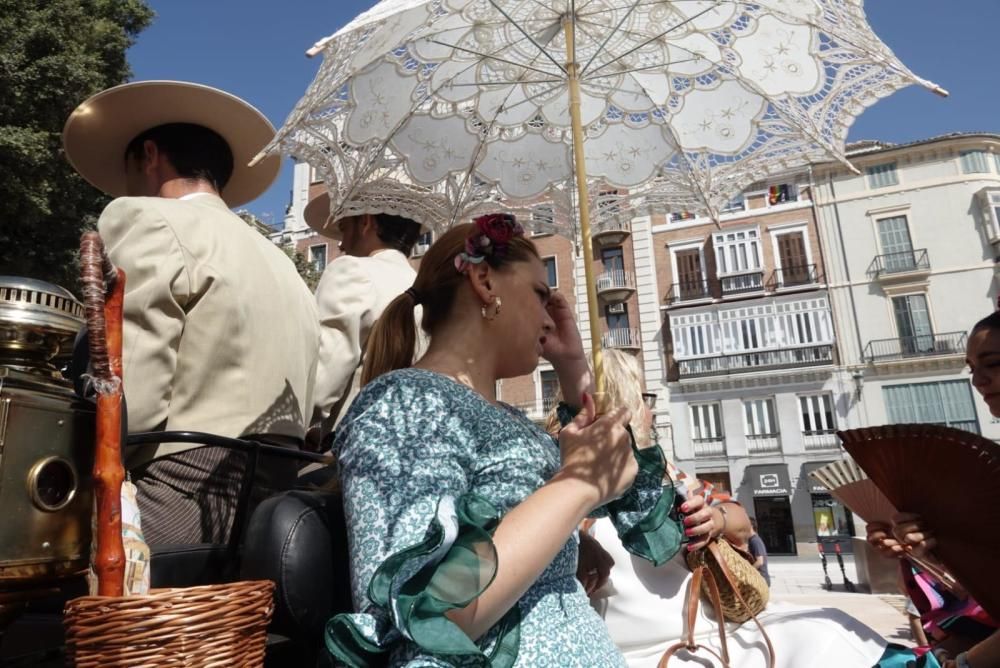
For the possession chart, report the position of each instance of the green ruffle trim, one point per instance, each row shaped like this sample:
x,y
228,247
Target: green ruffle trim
x,y
644,516
413,589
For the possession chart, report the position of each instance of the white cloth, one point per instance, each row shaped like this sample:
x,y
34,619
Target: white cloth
x,y
644,609
351,295
220,331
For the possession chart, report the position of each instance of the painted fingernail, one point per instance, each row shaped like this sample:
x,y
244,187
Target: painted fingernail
x,y
692,548
688,532
685,507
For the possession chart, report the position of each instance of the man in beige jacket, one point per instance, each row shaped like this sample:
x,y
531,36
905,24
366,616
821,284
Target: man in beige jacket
x,y
220,332
377,229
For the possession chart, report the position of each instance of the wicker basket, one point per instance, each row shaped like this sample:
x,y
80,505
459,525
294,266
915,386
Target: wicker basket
x,y
214,625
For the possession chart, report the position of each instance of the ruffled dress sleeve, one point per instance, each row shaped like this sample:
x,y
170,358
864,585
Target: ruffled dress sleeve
x,y
644,517
420,541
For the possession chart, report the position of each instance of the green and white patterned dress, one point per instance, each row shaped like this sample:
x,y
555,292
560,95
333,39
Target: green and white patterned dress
x,y
428,468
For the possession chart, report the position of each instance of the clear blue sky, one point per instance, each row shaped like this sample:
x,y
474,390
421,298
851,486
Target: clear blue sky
x,y
256,50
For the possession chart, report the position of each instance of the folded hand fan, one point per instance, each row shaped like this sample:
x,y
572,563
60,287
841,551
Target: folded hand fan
x,y
852,487
849,485
951,478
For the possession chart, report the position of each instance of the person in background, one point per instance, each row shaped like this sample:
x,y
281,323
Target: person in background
x,y
220,332
756,547
645,606
960,632
377,230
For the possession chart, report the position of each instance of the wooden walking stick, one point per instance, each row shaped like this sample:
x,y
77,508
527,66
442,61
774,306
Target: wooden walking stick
x,y
103,292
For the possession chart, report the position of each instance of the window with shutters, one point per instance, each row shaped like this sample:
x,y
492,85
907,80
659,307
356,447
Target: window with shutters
x,y
974,162
947,403
816,414
882,176
760,418
737,252
706,422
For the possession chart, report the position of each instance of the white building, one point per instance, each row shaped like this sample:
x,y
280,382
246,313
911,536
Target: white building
x,y
911,263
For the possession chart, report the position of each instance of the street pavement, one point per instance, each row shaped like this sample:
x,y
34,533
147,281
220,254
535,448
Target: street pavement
x,y
799,580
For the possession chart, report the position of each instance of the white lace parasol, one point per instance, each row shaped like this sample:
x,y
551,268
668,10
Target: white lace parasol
x,y
688,100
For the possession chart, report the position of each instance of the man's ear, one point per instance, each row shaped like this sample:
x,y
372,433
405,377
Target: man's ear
x,y
481,280
368,226
151,157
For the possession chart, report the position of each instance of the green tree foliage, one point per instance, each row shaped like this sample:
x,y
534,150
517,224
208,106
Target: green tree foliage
x,y
53,55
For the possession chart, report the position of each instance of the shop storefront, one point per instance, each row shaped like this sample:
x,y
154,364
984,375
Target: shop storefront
x,y
833,521
772,506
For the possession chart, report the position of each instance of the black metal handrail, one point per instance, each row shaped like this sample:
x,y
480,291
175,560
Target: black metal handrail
x,y
749,281
782,358
689,290
922,345
803,274
900,262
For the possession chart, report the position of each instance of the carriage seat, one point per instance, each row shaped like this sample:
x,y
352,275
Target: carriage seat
x,y
298,539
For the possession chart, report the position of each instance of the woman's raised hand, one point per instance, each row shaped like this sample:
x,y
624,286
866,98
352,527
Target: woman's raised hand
x,y
598,453
913,535
880,537
563,344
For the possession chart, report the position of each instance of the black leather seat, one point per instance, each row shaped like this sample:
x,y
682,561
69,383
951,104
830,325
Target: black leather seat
x,y
298,539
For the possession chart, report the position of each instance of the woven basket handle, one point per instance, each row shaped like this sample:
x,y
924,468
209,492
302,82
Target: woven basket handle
x,y
694,595
713,547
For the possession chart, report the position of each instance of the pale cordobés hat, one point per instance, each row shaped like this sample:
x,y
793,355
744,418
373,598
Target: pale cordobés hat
x,y
97,133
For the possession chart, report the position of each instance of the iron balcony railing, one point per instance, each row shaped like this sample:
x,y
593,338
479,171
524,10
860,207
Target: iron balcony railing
x,y
900,262
685,291
612,225
782,358
787,277
616,279
709,447
734,284
621,337
922,345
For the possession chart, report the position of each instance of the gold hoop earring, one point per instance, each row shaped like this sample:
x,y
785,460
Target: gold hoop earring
x,y
495,302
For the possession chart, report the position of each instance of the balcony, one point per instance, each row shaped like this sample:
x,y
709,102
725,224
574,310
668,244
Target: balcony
x,y
709,447
904,264
909,347
820,440
623,338
794,277
736,284
761,360
688,291
616,285
612,232
763,444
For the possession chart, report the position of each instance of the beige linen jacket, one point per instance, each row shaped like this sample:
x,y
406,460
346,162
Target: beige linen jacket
x,y
220,332
351,295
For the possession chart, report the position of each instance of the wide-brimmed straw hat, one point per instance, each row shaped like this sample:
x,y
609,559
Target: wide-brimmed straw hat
x,y
422,206
97,133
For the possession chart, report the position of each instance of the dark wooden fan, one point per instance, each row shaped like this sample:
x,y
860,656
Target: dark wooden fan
x,y
951,478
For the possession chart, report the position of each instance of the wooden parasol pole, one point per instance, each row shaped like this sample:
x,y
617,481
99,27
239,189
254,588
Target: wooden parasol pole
x,y
104,324
573,72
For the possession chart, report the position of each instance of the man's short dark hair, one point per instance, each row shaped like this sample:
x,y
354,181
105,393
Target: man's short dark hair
x,y
992,321
194,151
397,232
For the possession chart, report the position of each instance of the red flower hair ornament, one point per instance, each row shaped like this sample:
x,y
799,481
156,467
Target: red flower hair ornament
x,y
490,238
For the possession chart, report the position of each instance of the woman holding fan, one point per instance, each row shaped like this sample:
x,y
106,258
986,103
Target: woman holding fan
x,y
962,634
